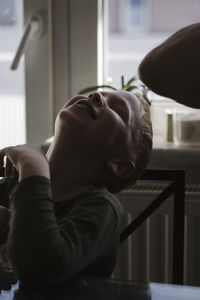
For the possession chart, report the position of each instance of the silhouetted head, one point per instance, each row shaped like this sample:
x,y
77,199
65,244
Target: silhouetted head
x,y
172,68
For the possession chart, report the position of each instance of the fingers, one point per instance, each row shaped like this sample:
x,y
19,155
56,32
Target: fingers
x,y
27,160
7,167
2,168
2,154
10,170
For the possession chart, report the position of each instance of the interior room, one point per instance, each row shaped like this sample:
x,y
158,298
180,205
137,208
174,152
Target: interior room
x,y
50,51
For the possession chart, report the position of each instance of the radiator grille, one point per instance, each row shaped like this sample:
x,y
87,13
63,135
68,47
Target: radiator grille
x,y
147,186
147,254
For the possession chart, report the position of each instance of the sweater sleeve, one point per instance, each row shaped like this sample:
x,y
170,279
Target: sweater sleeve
x,y
3,184
43,251
7,186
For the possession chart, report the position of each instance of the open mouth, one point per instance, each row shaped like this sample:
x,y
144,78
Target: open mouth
x,y
87,107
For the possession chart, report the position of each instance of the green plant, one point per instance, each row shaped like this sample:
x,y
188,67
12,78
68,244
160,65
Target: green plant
x,y
132,84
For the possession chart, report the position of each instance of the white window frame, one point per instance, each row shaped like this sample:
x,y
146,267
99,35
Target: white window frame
x,y
63,61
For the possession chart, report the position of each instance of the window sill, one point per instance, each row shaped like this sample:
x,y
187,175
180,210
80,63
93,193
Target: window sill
x,y
170,156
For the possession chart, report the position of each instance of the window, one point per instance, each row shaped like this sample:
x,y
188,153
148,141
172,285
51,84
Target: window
x,y
76,51
137,26
134,27
61,62
12,99
55,66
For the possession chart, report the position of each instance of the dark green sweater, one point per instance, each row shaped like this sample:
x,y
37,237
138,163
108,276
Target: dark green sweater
x,y
50,242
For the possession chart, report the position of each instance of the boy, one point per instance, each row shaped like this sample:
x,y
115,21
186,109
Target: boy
x,y
65,218
172,68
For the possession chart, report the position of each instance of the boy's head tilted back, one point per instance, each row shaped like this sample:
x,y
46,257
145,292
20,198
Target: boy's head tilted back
x,y
107,135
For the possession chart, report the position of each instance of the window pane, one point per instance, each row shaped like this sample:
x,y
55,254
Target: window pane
x,y
12,99
134,27
137,26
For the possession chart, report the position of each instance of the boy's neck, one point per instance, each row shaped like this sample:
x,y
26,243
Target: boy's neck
x,y
68,179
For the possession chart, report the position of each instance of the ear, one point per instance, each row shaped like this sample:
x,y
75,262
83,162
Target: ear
x,y
122,169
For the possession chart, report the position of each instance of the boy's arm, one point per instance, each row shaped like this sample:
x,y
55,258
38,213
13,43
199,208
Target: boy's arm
x,y
41,251
6,186
3,187
24,161
4,224
49,253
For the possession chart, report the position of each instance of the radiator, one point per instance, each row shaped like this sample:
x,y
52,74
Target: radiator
x,y
147,254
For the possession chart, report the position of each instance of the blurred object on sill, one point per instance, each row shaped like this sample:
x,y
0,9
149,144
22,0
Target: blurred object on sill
x,y
174,125
169,133
186,127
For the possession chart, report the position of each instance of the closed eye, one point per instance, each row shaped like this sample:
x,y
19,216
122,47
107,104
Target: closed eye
x,y
121,112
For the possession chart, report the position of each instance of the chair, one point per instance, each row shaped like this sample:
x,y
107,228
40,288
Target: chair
x,y
176,186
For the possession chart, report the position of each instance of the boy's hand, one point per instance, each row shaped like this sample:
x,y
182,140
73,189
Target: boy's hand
x,y
24,161
4,224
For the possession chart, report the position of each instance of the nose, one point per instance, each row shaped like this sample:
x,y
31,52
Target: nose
x,y
97,98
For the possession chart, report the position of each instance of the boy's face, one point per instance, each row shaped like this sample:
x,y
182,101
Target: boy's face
x,y
100,125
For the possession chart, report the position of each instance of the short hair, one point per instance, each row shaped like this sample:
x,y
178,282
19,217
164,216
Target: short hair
x,y
140,150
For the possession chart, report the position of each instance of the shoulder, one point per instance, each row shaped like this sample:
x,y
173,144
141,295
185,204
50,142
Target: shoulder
x,y
102,198
96,213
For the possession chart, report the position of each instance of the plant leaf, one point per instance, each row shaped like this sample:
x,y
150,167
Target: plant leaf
x,y
129,88
122,82
131,80
145,94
